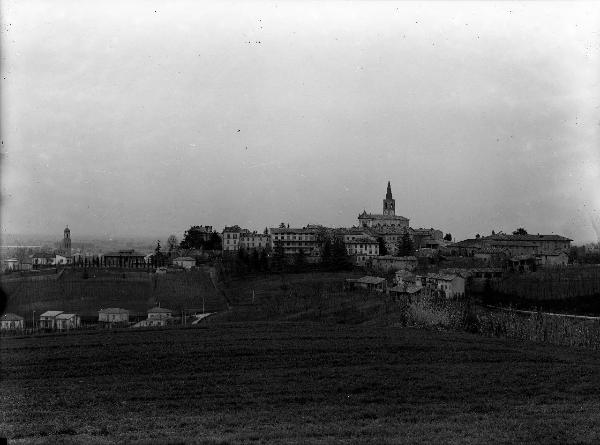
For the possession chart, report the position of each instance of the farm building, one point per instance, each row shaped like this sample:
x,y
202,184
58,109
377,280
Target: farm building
x,y
11,264
184,261
159,312
451,285
48,319
113,315
67,321
556,258
42,259
375,284
404,276
408,291
11,322
124,258
157,316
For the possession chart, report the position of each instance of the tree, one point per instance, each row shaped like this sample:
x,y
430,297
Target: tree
x,y
448,237
326,256
520,231
214,242
193,238
405,245
278,256
340,259
382,246
172,243
264,260
266,231
282,225
158,254
300,261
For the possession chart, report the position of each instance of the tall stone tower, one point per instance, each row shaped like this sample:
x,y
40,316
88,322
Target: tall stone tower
x,y
389,204
66,242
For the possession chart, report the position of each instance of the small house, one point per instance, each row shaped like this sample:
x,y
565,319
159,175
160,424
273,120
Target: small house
x,y
449,285
67,321
11,264
159,312
113,315
373,284
48,319
556,258
184,262
405,291
11,322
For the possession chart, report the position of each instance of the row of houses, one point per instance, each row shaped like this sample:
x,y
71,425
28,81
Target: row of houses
x,y
62,321
448,285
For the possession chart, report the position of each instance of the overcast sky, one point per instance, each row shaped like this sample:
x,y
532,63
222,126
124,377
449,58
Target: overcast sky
x,y
144,118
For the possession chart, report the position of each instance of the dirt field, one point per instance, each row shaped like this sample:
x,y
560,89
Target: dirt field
x,y
295,383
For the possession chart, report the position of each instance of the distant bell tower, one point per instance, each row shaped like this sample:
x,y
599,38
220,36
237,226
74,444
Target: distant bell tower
x,y
66,244
389,204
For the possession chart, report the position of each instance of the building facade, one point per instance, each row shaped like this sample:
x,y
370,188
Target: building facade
x,y
231,238
250,241
293,240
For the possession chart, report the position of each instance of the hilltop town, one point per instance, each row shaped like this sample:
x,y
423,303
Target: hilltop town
x,y
394,259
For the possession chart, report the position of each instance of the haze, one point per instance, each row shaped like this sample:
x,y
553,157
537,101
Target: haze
x,y
143,118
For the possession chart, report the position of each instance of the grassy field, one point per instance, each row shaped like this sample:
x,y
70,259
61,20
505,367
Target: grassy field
x,y
295,383
136,291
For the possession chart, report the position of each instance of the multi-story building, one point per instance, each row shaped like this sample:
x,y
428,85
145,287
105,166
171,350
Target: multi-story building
x,y
250,241
361,248
231,238
292,240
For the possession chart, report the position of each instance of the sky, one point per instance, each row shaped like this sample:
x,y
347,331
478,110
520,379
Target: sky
x,y
126,118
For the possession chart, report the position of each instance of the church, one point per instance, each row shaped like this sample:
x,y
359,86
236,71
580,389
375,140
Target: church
x,y
388,218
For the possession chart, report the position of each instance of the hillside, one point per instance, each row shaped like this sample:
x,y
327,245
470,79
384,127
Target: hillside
x,y
295,383
136,291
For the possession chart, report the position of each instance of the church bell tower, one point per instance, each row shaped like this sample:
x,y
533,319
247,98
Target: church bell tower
x,y
389,204
66,243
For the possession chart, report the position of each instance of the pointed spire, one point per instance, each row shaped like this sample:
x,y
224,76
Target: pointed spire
x,y
388,195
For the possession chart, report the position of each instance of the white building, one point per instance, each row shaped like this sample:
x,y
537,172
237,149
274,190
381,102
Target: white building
x,y
185,262
113,315
361,248
48,319
451,285
250,241
11,322
231,238
67,321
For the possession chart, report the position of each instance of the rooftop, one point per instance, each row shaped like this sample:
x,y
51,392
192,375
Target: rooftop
x,y
159,310
113,310
51,313
11,317
65,316
370,280
397,258
365,215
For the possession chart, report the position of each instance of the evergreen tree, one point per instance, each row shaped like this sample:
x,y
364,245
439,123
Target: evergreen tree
x,y
340,259
300,261
326,255
382,246
405,245
278,256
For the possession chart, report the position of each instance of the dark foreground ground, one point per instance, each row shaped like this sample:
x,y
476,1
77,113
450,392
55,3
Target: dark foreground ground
x,y
295,383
